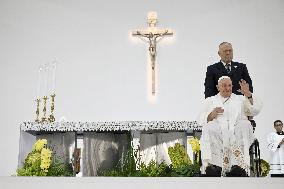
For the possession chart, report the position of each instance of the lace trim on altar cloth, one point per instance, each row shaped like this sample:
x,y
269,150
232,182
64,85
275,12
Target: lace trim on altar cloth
x,y
111,126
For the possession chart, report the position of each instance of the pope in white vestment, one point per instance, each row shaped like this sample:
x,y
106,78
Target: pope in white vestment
x,y
276,146
227,133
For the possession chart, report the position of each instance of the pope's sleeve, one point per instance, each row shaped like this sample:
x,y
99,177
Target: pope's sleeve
x,y
252,109
206,110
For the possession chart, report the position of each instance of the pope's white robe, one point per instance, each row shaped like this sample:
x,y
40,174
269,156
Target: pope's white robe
x,y
276,154
225,141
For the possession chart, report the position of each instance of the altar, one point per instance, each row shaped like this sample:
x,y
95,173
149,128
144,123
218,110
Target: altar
x,y
105,143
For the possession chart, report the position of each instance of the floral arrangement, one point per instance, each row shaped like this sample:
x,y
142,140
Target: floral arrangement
x,y
41,162
154,169
195,145
264,167
182,166
194,142
178,156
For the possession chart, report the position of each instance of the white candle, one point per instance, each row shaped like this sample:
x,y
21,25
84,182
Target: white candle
x,y
45,80
53,76
49,77
39,84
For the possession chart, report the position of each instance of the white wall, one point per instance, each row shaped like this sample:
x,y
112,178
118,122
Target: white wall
x,y
102,70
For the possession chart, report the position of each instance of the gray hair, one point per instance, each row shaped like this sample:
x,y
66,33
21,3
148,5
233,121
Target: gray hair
x,y
223,43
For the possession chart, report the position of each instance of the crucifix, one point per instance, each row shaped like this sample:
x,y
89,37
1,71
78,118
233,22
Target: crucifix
x,y
152,35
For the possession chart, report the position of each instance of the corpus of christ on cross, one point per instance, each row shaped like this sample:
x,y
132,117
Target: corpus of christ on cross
x,y
152,35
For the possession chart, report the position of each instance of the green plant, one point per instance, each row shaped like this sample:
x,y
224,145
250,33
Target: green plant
x,y
192,170
264,167
41,162
178,156
60,169
181,163
127,168
155,170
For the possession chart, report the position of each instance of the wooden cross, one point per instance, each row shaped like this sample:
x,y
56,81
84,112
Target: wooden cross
x,y
152,35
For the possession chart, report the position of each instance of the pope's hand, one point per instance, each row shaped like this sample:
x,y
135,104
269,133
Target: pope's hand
x,y
216,111
244,88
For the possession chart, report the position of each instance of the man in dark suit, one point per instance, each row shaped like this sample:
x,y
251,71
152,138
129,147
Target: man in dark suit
x,y
226,67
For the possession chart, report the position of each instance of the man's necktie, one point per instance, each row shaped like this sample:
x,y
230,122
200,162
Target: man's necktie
x,y
228,68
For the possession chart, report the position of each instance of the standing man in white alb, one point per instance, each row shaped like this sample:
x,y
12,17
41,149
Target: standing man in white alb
x,y
276,146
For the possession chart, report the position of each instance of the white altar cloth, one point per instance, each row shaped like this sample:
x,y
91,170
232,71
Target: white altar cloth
x,y
152,138
111,126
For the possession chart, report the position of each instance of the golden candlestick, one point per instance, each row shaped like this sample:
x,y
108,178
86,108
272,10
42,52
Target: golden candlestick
x,y
51,116
44,119
37,110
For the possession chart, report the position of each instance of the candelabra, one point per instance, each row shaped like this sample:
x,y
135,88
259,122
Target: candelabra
x,y
44,119
51,116
37,120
